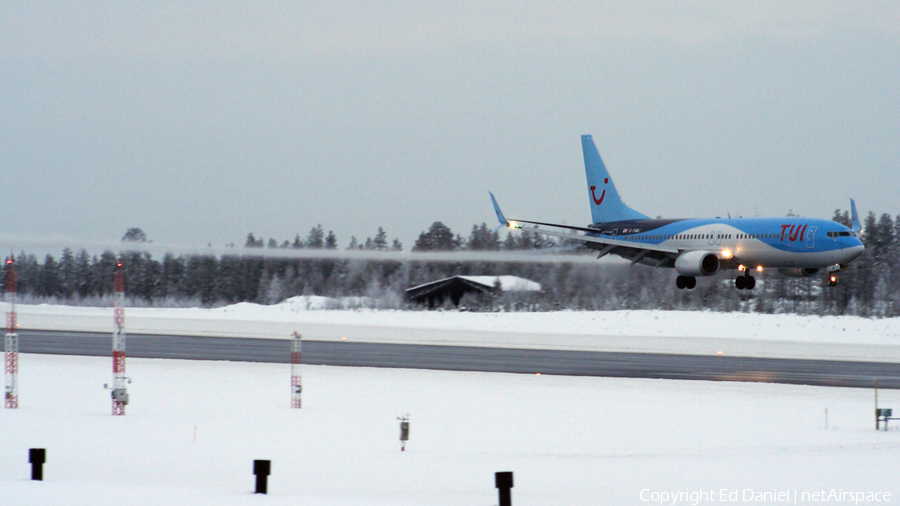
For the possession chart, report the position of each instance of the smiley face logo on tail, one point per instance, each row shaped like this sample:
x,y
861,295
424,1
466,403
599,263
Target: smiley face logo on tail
x,y
594,195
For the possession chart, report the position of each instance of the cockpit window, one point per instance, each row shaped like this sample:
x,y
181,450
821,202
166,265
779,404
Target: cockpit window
x,y
843,233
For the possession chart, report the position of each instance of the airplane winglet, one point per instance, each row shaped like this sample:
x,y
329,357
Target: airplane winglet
x,y
854,218
502,219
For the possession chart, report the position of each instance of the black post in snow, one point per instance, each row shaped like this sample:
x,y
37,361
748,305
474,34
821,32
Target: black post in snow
x,y
262,468
37,457
504,483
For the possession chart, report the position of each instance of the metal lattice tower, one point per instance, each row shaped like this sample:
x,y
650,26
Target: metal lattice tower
x,y
296,378
11,393
119,392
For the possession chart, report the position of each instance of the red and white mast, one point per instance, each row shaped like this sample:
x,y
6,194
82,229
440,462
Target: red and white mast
x,y
119,392
11,394
296,378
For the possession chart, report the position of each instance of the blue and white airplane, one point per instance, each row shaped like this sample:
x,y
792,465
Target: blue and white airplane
x,y
797,247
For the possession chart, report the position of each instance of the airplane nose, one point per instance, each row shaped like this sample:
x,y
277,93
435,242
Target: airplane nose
x,y
853,252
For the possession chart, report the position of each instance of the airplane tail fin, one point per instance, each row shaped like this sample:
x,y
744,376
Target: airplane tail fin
x,y
606,205
854,218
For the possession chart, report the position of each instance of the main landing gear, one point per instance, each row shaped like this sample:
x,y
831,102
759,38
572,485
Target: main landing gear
x,y
688,282
831,280
745,282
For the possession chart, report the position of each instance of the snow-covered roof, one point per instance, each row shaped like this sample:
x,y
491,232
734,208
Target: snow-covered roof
x,y
507,283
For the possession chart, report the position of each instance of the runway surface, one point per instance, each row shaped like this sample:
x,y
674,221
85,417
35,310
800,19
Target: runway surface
x,y
469,358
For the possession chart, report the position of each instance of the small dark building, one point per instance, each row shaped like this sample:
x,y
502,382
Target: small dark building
x,y
436,292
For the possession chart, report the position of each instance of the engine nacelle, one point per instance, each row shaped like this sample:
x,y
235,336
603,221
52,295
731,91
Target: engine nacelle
x,y
697,263
798,272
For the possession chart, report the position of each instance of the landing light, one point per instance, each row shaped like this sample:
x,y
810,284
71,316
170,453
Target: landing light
x,y
741,268
727,254
833,279
512,224
759,268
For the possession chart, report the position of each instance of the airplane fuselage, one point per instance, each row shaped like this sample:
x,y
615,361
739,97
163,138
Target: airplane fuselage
x,y
790,242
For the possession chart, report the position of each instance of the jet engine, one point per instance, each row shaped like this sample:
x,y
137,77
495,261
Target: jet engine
x,y
697,263
798,272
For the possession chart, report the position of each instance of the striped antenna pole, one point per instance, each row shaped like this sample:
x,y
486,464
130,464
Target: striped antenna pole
x,y
296,378
11,394
119,392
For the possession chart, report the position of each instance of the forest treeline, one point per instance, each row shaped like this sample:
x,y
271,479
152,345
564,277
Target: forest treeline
x,y
868,288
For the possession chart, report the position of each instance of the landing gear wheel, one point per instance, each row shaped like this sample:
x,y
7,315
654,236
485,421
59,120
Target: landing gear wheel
x,y
680,282
690,282
751,283
740,282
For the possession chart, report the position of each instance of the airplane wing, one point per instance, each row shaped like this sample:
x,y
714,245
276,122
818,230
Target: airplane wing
x,y
634,250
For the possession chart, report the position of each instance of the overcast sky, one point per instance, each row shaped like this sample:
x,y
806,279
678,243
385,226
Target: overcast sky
x,y
202,121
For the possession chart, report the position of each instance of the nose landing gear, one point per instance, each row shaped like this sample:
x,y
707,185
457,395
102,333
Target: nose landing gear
x,y
832,271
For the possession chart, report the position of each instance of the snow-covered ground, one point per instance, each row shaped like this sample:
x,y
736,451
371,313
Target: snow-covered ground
x,y
736,334
193,429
